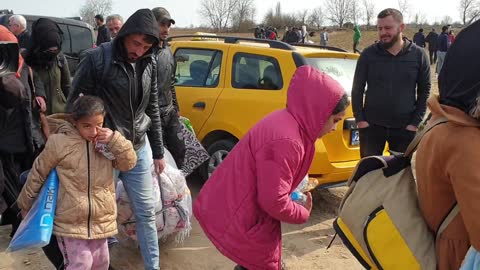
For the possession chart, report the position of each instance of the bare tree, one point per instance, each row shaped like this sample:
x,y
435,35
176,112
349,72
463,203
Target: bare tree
x,y
369,7
447,20
419,19
302,16
243,14
218,12
403,6
316,18
278,10
356,12
338,11
94,7
469,11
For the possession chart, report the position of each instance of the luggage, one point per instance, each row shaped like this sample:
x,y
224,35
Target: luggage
x,y
379,218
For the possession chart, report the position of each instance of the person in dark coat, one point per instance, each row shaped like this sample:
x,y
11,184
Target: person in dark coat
x,y
432,39
49,64
167,96
17,24
22,103
102,31
419,38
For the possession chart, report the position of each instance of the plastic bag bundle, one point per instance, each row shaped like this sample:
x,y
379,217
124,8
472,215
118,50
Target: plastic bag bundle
x,y
36,228
173,205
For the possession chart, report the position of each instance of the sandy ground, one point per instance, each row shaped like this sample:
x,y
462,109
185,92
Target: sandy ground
x,y
304,246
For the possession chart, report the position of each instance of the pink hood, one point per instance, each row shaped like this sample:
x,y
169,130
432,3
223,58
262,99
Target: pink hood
x,y
242,204
307,85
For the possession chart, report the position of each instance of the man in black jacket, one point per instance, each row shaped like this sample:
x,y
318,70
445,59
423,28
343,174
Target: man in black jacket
x,y
122,73
397,73
419,38
432,39
102,32
167,97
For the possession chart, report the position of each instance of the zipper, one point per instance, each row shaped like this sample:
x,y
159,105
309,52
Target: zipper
x,y
88,192
365,226
130,99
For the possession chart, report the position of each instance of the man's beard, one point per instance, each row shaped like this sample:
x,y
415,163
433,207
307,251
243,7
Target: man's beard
x,y
388,45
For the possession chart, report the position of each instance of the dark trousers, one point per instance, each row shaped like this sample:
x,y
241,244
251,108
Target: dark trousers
x,y
433,56
355,47
173,136
373,139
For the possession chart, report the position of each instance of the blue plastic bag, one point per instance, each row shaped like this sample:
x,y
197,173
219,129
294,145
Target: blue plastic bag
x,y
472,260
37,226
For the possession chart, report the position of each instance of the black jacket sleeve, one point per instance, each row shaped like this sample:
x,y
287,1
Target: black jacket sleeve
x,y
83,81
154,133
358,89
65,80
423,89
39,86
172,89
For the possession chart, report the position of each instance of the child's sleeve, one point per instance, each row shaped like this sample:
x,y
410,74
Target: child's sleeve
x,y
45,162
122,149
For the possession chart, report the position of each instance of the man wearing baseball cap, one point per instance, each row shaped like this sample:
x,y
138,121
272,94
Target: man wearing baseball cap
x,y
167,97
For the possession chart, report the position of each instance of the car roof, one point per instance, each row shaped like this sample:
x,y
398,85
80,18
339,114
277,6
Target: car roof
x,y
4,19
307,51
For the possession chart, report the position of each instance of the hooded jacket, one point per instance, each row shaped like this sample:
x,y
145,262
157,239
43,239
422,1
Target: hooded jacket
x,y
397,86
241,206
20,130
447,157
51,69
86,206
130,93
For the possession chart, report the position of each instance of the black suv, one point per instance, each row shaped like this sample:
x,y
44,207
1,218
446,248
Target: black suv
x,y
77,36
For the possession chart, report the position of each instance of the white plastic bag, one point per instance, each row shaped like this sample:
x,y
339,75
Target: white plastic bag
x,y
173,204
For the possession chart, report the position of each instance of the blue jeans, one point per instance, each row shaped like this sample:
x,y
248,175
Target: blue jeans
x,y
139,187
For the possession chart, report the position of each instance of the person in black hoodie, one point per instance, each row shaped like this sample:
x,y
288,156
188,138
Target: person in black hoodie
x,y
49,64
122,73
397,75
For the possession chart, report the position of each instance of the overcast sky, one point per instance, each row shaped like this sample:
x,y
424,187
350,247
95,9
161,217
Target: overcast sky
x,y
185,12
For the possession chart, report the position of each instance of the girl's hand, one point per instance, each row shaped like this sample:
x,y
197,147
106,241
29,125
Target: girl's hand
x,y
309,202
104,135
23,213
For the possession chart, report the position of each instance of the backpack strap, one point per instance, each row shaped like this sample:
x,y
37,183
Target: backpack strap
x,y
416,141
447,220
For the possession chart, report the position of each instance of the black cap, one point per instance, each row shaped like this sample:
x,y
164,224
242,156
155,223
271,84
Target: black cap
x,y
161,15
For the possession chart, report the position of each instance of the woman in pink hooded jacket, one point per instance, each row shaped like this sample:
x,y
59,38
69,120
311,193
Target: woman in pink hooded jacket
x,y
242,204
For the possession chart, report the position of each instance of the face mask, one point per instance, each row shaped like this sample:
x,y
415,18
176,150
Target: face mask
x,y
47,56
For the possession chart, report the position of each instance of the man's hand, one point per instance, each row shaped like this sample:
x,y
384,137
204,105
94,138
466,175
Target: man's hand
x,y
104,135
412,128
23,213
41,103
309,203
363,124
159,165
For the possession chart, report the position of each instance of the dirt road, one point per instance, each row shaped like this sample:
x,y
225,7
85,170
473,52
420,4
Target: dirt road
x,y
304,246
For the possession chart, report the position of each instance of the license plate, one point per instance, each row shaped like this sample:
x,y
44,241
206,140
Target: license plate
x,y
355,137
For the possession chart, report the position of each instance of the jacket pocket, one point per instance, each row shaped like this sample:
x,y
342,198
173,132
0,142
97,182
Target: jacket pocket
x,y
385,244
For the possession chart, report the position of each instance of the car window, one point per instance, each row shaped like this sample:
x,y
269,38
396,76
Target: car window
x,y
198,67
66,44
252,71
342,70
81,39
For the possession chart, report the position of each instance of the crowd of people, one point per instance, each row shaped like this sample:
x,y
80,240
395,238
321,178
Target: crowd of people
x,y
123,96
438,44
